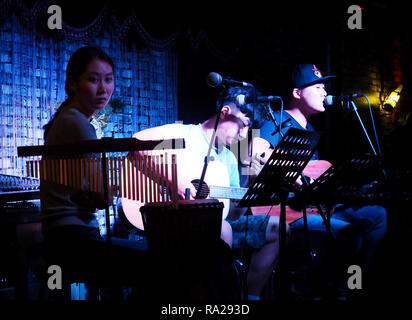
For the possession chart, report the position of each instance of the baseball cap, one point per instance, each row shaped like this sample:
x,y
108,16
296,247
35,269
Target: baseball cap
x,y
307,74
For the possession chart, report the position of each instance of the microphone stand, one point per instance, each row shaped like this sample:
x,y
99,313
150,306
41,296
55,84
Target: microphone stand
x,y
352,106
273,119
205,165
207,158
212,140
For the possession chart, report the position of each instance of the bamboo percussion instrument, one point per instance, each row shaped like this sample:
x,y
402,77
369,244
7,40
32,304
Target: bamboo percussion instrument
x,y
149,176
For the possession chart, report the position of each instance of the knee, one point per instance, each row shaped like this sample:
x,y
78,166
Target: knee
x,y
381,218
226,233
272,233
377,217
381,214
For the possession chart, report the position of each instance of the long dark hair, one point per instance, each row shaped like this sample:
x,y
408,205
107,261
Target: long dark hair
x,y
77,64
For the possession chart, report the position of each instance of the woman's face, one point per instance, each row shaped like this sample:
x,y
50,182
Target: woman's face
x,y
94,88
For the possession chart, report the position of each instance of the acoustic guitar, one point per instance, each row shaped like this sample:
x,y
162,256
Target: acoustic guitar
x,y
216,185
313,170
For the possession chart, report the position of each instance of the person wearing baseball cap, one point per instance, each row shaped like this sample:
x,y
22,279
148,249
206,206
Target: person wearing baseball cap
x,y
363,227
305,95
307,74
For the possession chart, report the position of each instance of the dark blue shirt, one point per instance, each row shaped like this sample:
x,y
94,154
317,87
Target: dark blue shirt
x,y
287,122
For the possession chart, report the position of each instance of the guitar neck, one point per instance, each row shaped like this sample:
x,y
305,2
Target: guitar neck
x,y
227,192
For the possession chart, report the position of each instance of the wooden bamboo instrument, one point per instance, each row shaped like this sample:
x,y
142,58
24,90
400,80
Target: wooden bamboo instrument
x,y
151,177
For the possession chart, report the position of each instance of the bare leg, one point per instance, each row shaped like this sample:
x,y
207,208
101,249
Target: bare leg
x,y
226,233
265,259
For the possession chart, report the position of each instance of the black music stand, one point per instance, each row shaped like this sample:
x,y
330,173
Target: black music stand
x,y
341,183
276,180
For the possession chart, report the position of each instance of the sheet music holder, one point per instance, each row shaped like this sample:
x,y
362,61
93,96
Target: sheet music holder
x,y
281,170
276,180
340,183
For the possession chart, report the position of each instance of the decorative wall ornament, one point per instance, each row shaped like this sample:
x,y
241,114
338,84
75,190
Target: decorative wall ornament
x,y
106,17
32,75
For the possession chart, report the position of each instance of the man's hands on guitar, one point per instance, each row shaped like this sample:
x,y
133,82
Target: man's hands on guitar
x,y
184,183
254,165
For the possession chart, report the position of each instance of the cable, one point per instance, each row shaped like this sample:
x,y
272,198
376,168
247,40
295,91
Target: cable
x,y
281,116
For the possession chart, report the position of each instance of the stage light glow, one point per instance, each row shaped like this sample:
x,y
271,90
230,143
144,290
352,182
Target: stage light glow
x,y
393,98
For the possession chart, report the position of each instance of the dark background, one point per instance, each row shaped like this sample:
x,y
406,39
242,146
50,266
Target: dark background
x,y
260,42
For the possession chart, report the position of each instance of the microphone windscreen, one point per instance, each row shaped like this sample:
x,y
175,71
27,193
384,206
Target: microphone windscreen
x,y
213,79
329,100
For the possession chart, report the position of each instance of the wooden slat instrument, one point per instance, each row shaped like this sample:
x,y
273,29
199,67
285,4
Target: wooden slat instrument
x,y
86,166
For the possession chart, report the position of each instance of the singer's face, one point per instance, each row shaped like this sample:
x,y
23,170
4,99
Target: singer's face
x,y
313,98
233,127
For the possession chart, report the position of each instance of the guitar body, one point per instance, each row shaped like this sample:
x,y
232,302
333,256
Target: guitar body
x,y
216,175
291,215
313,169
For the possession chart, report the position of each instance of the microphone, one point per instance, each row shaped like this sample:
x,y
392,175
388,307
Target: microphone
x,y
241,99
214,79
330,100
